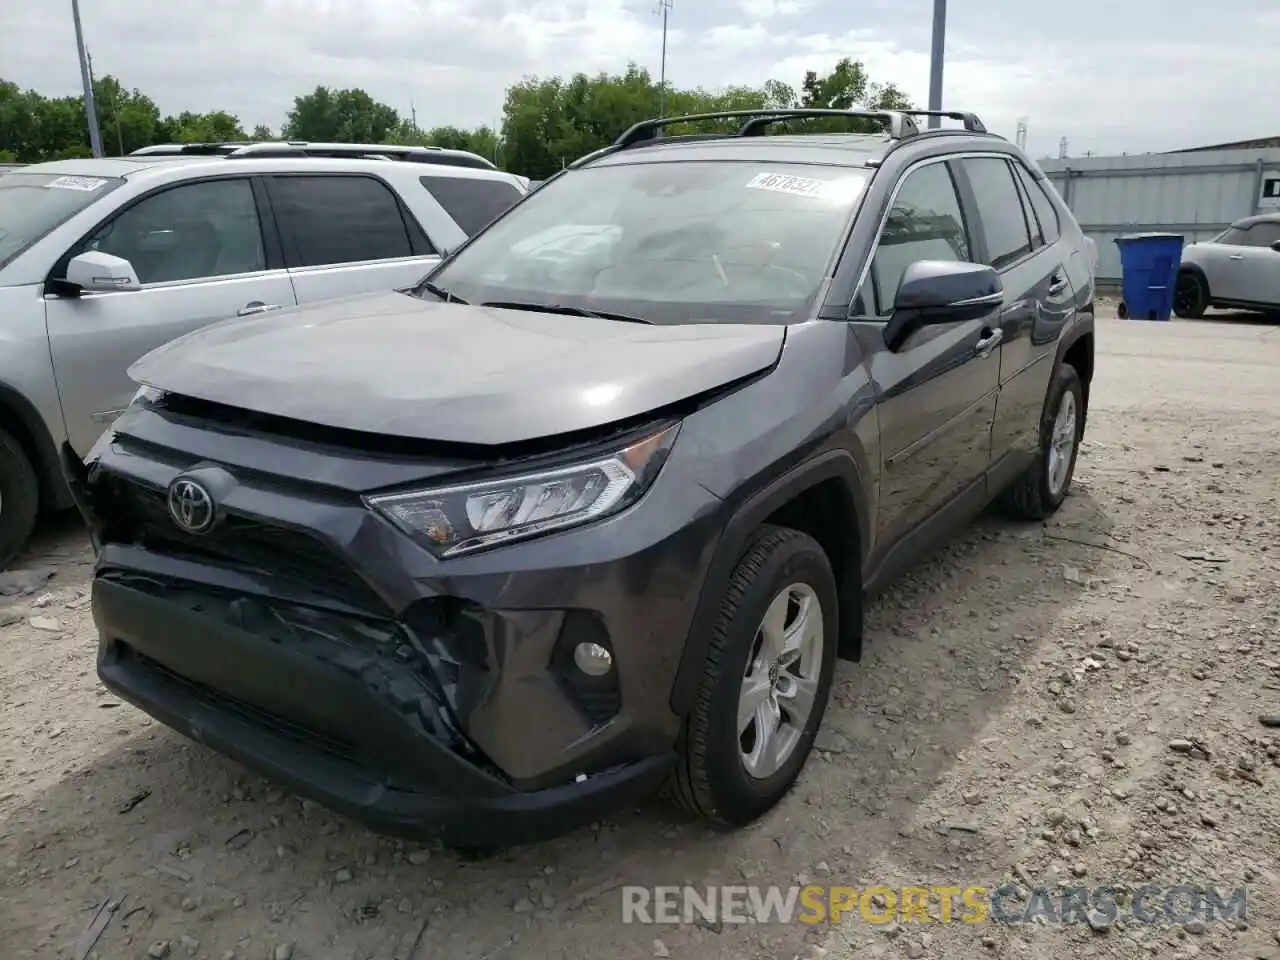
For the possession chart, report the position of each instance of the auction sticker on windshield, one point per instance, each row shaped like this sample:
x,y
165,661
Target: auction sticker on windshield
x,y
75,183
783,183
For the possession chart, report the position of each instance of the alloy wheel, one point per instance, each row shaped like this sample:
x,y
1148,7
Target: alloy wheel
x,y
780,684
1062,443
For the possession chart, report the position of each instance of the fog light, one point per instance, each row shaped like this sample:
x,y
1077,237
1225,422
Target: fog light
x,y
592,659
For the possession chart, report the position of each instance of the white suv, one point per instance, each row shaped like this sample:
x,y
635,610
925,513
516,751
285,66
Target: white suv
x,y
102,260
1238,269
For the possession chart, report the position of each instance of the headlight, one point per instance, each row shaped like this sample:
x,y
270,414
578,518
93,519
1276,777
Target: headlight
x,y
473,516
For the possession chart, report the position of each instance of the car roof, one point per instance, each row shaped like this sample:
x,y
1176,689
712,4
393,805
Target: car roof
x,y
1257,218
145,167
849,149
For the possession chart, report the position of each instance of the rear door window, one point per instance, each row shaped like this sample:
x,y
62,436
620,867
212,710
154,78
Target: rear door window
x,y
472,202
338,219
1000,209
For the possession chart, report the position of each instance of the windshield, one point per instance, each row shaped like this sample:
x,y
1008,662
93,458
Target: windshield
x,y
666,242
32,204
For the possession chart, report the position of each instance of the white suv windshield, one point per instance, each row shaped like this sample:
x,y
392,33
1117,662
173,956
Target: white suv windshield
x,y
32,204
666,241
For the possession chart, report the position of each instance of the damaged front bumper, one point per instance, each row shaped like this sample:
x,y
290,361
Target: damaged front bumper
x,y
336,731
308,640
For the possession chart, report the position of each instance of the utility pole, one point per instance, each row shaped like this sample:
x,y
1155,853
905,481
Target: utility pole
x,y
935,60
1021,136
413,116
665,7
90,108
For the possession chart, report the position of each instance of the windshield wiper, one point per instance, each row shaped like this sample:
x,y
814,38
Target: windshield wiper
x,y
563,309
441,292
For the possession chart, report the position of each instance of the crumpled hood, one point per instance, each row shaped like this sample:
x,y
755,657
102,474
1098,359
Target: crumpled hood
x,y
396,365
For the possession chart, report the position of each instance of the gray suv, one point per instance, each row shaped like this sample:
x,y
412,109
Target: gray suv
x,y
102,260
595,507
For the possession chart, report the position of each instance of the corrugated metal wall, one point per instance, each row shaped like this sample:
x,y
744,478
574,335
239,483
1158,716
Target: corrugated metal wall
x,y
1194,194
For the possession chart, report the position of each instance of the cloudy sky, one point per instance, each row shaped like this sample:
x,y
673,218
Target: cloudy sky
x,y
1110,75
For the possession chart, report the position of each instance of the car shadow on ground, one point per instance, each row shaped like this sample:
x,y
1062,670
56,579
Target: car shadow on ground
x,y
202,849
1241,316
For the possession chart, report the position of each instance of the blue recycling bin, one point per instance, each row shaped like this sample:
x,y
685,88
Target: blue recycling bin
x,y
1149,265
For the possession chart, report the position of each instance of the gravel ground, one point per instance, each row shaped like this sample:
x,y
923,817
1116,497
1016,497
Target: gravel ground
x,y
1081,702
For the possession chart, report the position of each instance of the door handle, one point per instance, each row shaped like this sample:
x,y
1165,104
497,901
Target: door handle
x,y
1236,256
1057,283
990,339
256,306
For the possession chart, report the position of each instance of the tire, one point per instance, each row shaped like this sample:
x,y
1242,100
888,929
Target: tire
x,y
1039,492
19,498
1190,296
1122,310
711,778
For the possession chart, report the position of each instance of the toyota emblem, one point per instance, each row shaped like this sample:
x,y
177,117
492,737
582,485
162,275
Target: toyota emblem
x,y
191,505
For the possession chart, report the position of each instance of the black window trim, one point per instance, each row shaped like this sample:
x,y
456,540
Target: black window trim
x,y
1029,213
1025,176
266,226
420,244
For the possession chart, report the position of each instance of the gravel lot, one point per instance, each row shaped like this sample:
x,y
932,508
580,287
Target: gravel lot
x,y
1079,702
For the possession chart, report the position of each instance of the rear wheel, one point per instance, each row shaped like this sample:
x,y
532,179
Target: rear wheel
x,y
1039,492
19,498
765,682
1190,297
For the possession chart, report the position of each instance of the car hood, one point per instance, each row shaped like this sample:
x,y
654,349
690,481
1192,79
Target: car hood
x,y
396,365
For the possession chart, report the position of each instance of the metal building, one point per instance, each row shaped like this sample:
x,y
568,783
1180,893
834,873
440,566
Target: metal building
x,y
1197,193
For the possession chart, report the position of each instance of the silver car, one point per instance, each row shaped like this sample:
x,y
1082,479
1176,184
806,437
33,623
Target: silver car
x,y
103,260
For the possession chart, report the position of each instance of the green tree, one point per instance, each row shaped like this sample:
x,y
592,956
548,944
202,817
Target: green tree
x,y
548,122
344,116
849,87
216,127
127,119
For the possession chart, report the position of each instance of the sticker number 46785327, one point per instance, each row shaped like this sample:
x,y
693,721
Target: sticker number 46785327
x,y
782,183
75,183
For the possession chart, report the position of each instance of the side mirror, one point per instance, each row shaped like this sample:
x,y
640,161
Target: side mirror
x,y
941,291
101,272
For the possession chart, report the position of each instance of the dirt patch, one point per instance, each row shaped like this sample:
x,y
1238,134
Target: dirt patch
x,y
1075,703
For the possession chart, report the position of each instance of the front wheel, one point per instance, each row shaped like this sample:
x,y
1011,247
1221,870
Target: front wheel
x,y
1190,297
19,498
765,681
1039,492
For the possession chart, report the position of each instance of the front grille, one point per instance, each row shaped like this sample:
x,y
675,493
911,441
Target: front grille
x,y
239,543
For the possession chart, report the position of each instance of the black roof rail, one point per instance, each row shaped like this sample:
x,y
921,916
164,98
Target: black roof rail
x,y
970,120
899,124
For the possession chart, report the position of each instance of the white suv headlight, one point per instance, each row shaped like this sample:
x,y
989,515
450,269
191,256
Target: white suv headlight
x,y
460,519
